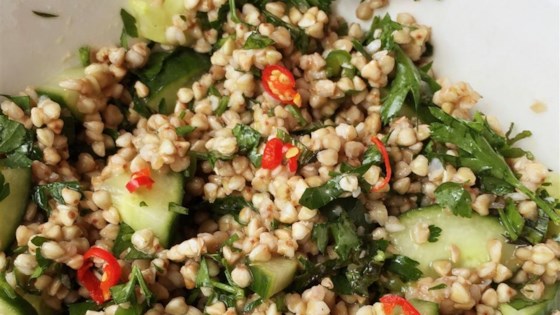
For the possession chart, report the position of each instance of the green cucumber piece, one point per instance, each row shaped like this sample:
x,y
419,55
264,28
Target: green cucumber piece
x,y
39,304
272,276
147,208
153,19
64,97
15,305
12,208
181,68
550,302
470,235
554,191
425,307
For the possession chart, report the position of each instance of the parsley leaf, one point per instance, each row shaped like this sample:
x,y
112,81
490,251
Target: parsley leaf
x,y
320,235
438,287
316,197
385,26
247,138
41,193
435,232
129,27
478,154
222,106
296,112
301,40
405,268
455,197
257,41
4,187
42,263
126,292
512,220
123,243
184,130
83,307
230,205
12,134
23,101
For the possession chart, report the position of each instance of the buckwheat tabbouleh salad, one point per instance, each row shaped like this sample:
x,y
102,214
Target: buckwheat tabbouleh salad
x,y
256,157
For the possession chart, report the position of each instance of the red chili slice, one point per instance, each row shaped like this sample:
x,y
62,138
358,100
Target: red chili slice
x,y
279,82
390,301
139,179
272,154
386,161
99,290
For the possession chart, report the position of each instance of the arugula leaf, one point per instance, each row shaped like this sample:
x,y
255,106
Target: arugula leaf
x,y
405,268
184,130
41,193
123,243
23,101
129,27
12,134
435,232
177,208
83,53
4,187
407,80
479,155
126,292
511,219
455,197
258,41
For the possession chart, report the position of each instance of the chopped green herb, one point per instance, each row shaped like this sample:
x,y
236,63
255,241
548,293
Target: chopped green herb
x,y
455,197
12,134
42,263
230,205
178,208
23,101
123,244
41,193
296,112
222,106
142,204
44,14
338,63
257,41
405,268
183,131
84,53
438,287
512,220
126,293
247,138
301,40
435,232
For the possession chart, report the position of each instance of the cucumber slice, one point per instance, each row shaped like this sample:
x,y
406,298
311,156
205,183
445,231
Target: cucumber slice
x,y
272,276
147,208
550,302
425,307
64,97
179,69
554,191
15,305
39,304
470,235
13,206
153,18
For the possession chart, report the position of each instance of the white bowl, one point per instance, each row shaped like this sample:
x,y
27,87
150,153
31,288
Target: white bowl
x,y
508,50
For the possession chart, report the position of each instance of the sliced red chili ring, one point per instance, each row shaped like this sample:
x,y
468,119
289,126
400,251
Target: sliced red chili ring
x,y
390,301
272,154
99,290
139,179
386,161
279,82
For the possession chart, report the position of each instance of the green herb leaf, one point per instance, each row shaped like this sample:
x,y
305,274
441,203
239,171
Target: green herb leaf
x,y
123,244
512,220
44,14
126,293
478,154
316,197
438,287
435,232
42,263
83,307
137,309
320,235
41,193
84,53
296,112
129,24
338,63
23,101
247,138
12,134
183,131
407,80
230,205
345,237
222,106
455,197
4,187
405,268
257,41
142,204
386,27
301,40
173,207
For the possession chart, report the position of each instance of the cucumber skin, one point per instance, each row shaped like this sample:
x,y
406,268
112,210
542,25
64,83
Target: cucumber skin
x,y
469,234
155,216
273,276
12,208
15,306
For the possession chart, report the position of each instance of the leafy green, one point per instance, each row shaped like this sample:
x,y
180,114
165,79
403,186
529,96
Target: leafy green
x,y
41,193
320,235
478,154
129,27
230,205
438,287
301,40
126,292
83,53
177,208
360,48
248,139
407,81
257,41
4,187
42,263
534,231
512,220
455,197
493,185
338,63
83,307
304,5
345,237
385,26
183,131
435,232
222,106
305,156
405,268
123,243
211,156
23,101
137,309
228,293
316,197
296,112
12,134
